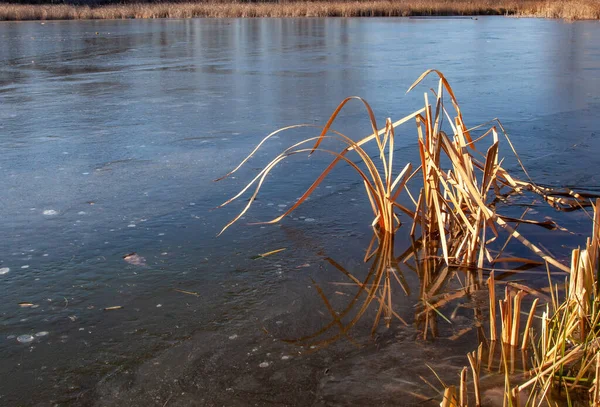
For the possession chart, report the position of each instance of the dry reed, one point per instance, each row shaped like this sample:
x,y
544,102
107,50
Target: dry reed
x,y
567,9
454,219
454,216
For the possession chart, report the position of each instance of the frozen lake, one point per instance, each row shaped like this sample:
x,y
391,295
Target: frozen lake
x,y
111,133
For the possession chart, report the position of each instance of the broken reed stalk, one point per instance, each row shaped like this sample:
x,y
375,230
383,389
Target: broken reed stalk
x,y
464,398
492,294
516,317
475,362
525,342
449,397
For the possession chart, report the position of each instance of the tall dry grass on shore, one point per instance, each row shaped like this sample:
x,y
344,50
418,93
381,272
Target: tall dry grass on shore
x,y
567,9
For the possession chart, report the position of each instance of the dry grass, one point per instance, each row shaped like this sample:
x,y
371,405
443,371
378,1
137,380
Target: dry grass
x,y
568,9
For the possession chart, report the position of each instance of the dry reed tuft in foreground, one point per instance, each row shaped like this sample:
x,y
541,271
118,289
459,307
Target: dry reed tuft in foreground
x,y
567,9
455,207
454,220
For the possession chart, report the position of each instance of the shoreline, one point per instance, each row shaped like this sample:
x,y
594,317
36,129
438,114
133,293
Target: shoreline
x,y
561,9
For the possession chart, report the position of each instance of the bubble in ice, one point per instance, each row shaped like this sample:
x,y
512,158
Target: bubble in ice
x,y
50,212
81,213
26,266
264,364
24,338
4,270
131,225
309,220
42,333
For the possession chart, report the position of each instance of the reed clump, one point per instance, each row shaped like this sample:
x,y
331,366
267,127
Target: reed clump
x,y
454,214
454,220
567,9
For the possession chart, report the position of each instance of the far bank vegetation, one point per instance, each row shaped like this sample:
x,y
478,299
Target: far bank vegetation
x,y
82,10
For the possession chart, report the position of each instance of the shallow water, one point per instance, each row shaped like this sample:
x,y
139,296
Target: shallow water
x,y
111,133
